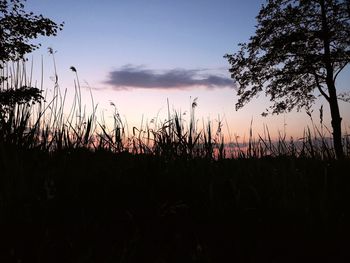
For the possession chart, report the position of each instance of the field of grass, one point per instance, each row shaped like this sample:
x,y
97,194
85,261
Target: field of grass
x,y
74,190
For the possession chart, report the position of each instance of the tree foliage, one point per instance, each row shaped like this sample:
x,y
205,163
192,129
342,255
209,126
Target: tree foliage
x,y
18,28
299,46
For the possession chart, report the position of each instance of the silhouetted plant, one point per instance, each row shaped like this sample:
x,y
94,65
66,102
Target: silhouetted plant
x,y
11,97
18,28
299,46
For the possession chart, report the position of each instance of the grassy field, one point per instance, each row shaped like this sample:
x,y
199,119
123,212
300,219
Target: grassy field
x,y
74,190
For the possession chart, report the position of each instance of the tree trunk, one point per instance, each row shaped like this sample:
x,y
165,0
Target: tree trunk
x,y
333,98
336,121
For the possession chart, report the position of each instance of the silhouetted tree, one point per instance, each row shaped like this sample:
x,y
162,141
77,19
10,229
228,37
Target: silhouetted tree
x,y
18,28
298,46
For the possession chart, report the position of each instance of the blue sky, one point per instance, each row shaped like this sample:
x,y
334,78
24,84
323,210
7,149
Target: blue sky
x,y
160,40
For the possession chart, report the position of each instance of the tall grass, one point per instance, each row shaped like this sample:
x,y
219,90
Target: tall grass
x,y
32,118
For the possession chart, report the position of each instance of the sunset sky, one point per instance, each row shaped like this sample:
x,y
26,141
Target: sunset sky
x,y
138,54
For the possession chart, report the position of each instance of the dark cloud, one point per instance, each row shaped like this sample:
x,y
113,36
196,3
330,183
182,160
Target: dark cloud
x,y
137,77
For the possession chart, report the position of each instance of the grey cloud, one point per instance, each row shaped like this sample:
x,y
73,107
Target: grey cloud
x,y
137,77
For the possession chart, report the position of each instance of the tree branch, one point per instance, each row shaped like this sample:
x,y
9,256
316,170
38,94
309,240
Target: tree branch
x,y
340,69
320,88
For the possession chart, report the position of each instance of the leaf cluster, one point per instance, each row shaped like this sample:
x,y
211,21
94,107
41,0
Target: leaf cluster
x,y
11,97
19,96
18,28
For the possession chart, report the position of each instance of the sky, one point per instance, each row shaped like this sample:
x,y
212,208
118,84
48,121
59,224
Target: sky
x,y
139,54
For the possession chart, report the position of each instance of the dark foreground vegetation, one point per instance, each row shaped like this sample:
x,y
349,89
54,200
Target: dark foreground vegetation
x,y
83,206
